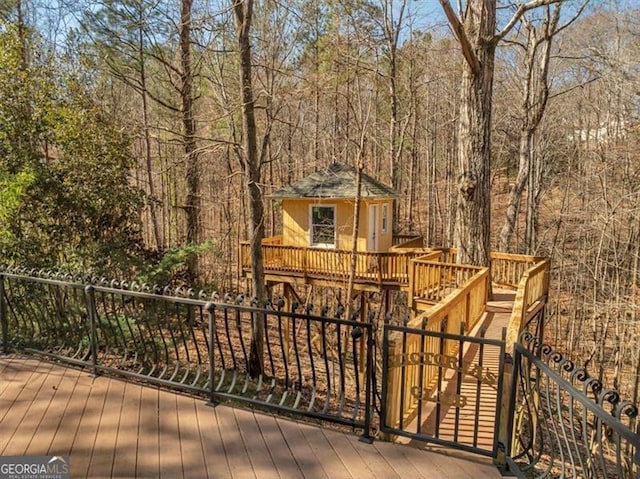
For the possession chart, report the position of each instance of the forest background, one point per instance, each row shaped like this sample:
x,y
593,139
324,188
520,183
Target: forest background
x,y
121,139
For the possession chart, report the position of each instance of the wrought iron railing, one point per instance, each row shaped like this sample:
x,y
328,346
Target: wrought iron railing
x,y
314,365
566,424
443,387
560,421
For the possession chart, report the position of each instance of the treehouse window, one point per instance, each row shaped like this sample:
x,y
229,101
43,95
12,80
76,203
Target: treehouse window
x,y
385,218
323,226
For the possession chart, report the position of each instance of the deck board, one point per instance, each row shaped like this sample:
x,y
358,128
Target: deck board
x,y
351,458
278,448
84,443
107,432
114,428
51,417
69,414
169,444
306,459
331,462
476,432
127,438
193,463
256,448
24,410
148,445
236,453
216,461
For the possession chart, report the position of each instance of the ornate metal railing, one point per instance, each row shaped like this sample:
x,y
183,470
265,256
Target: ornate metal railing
x,y
443,387
314,365
566,423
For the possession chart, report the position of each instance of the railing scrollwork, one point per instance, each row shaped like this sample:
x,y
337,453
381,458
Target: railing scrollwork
x,y
566,423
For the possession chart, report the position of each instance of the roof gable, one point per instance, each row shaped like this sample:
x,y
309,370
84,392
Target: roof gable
x,y
337,181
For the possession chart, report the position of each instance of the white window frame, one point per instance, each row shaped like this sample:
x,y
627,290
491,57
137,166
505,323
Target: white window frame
x,y
335,226
384,218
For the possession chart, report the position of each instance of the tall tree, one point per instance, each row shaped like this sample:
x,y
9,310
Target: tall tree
x,y
393,17
121,31
68,202
536,53
243,14
192,203
475,28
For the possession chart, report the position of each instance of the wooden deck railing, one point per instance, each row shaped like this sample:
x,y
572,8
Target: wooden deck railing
x,y
460,295
431,280
531,296
273,240
463,306
407,241
377,267
508,269
456,313
427,283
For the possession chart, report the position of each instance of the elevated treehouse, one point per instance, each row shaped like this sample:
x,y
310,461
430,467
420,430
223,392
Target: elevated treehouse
x,y
315,248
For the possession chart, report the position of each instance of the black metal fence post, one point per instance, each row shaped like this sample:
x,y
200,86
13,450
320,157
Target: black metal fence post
x,y
513,385
210,307
4,321
93,336
385,365
366,436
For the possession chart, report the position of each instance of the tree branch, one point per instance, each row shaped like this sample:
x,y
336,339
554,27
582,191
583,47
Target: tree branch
x,y
521,10
458,30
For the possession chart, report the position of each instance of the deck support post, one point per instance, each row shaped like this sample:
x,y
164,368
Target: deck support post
x,y
505,425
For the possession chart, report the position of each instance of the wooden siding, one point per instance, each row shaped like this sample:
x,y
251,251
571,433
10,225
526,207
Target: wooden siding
x,y
295,222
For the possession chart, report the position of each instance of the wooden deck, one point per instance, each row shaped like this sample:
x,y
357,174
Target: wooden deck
x,y
495,319
114,428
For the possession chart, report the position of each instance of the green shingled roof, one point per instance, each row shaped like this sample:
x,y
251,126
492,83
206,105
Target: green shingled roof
x,y
337,181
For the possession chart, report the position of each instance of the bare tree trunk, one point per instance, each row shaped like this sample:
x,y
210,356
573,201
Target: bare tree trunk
x,y
515,195
316,86
392,34
536,95
475,30
472,228
533,203
354,236
147,142
243,11
192,205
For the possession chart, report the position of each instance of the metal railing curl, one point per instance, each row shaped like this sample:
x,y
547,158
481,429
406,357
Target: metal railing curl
x,y
316,365
566,423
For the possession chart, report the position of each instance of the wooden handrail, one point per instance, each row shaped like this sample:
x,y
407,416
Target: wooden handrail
x,y
465,304
379,267
458,312
507,269
407,241
433,280
531,295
